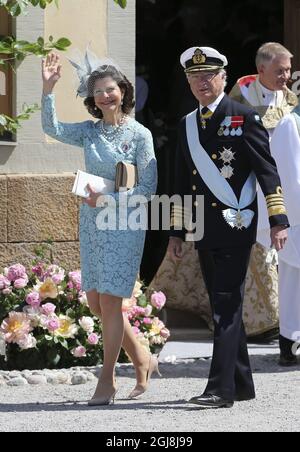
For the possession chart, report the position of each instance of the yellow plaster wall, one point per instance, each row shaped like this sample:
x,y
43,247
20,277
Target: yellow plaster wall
x,y
83,22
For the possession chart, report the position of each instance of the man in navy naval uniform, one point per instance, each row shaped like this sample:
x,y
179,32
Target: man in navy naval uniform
x,y
223,150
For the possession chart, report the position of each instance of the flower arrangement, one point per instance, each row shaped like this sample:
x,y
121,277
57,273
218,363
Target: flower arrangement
x,y
45,321
142,311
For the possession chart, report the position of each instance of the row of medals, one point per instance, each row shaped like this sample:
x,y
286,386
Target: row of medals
x,y
226,130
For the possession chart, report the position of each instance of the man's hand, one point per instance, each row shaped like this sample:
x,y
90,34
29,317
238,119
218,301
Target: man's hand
x,y
279,236
175,249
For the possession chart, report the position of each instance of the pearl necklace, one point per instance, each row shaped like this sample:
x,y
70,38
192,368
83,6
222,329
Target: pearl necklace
x,y
115,132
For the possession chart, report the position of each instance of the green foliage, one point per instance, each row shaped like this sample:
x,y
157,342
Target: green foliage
x,y
13,51
11,125
18,50
17,7
122,3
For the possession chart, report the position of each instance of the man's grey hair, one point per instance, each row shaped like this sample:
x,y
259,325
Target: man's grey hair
x,y
224,73
269,51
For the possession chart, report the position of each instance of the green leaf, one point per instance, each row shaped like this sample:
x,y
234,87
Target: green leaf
x,y
17,7
3,120
62,44
64,343
122,3
142,301
41,41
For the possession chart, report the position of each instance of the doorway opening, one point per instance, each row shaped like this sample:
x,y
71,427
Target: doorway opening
x,y
165,28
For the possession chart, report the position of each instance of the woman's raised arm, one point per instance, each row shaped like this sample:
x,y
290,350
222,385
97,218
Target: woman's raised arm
x,y
66,133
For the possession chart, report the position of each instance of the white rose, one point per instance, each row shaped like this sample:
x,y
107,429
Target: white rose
x,y
27,342
87,324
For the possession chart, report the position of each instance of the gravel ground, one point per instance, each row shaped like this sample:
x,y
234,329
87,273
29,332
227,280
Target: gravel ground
x,y
163,408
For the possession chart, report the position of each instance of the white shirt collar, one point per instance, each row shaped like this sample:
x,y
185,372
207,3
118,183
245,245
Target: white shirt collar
x,y
266,91
215,104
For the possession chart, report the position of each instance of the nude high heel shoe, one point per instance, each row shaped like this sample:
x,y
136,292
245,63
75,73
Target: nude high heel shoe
x,y
103,401
141,389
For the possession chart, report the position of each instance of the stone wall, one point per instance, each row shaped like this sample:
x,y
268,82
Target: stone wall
x,y
34,209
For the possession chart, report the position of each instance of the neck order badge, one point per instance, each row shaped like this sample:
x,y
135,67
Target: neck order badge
x,y
205,116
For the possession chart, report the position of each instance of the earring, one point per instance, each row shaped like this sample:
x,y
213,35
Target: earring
x,y
95,108
122,103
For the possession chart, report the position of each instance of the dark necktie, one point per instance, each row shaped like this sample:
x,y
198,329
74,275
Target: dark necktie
x,y
205,115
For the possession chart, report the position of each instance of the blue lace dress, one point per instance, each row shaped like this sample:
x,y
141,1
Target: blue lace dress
x,y
110,259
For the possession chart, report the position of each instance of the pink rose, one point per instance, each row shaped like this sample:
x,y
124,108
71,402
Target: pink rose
x,y
75,278
52,325
33,299
38,270
20,283
138,310
135,330
56,273
27,342
137,324
16,272
147,321
7,291
165,333
93,339
79,352
48,309
158,300
4,282
58,278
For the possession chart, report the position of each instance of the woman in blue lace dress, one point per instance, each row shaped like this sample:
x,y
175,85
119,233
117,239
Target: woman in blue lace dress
x,y
110,259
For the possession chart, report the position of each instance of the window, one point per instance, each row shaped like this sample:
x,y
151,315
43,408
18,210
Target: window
x,y
5,74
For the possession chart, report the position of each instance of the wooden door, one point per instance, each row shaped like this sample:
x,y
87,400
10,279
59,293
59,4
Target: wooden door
x,y
292,30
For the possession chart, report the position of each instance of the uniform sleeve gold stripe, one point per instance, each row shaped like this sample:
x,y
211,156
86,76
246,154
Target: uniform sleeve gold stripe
x,y
179,209
176,223
279,196
276,211
276,204
275,200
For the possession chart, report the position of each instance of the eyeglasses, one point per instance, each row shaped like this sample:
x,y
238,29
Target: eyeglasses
x,y
206,77
108,91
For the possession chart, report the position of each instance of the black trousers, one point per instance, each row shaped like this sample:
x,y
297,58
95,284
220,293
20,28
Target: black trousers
x,y
224,272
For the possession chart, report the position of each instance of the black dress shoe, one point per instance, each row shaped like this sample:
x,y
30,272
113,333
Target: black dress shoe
x,y
211,401
287,360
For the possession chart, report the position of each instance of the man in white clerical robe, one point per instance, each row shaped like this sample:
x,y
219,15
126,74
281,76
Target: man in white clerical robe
x,y
268,94
285,148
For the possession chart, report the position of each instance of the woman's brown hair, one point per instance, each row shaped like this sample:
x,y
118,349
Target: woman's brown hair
x,y
124,84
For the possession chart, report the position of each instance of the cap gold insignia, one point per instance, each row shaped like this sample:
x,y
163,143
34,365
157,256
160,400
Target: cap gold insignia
x,y
199,57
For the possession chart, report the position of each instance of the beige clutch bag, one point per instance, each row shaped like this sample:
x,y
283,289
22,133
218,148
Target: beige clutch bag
x,y
126,176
